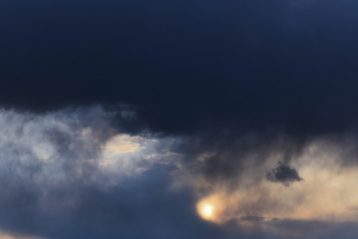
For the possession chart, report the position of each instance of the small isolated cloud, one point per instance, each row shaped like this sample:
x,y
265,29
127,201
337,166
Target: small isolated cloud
x,y
284,174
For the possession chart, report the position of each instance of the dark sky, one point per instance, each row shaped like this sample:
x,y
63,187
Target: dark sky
x,y
230,81
285,64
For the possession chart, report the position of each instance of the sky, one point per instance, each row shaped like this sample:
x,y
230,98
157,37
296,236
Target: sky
x,y
178,119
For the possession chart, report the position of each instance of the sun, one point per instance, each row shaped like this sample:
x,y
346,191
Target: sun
x,y
207,211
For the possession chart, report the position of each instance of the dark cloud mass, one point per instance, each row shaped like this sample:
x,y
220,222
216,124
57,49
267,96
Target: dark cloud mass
x,y
187,64
178,119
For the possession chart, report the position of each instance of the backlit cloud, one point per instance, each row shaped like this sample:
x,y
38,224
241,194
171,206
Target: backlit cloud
x,y
318,186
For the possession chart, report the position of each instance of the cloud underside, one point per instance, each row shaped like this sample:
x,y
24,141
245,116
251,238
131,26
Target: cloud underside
x,y
74,164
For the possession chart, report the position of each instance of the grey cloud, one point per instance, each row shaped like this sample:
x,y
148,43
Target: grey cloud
x,y
61,170
228,158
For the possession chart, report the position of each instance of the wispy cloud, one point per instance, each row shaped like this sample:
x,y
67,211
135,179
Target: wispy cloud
x,y
47,161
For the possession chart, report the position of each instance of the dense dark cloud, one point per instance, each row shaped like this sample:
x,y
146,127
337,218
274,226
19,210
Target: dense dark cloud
x,y
187,64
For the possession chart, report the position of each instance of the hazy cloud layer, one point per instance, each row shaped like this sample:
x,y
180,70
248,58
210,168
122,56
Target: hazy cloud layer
x,y
52,165
78,172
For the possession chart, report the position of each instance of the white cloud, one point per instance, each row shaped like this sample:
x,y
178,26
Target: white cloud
x,y
70,145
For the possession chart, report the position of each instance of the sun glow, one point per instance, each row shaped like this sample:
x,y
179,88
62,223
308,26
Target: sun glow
x,y
208,209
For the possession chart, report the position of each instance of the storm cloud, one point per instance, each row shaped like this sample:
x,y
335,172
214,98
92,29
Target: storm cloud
x,y
178,119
